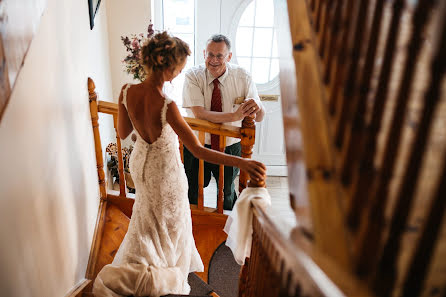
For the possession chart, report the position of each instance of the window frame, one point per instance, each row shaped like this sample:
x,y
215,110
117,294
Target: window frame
x,y
261,87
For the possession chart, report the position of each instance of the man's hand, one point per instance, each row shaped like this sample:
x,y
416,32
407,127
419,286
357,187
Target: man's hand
x,y
250,107
241,113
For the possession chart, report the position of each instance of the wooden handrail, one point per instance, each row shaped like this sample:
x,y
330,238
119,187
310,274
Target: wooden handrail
x,y
246,133
195,124
287,265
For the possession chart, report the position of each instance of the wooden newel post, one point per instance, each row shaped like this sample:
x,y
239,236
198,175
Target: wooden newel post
x,y
243,279
248,132
92,97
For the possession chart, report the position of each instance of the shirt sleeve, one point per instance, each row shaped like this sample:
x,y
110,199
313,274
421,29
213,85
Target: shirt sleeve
x,y
192,93
252,90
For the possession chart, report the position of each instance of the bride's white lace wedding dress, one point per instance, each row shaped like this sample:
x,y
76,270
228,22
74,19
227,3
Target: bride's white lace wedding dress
x,y
158,251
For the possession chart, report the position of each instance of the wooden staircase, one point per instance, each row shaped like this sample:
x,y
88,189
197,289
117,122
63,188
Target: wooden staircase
x,y
363,100
115,209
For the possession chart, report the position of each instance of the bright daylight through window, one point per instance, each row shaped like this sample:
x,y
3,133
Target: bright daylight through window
x,y
179,20
256,42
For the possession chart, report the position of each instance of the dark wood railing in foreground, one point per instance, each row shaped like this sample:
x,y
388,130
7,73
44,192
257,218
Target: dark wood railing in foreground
x,y
363,81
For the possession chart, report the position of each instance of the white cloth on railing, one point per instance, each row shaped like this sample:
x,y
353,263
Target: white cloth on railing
x,y
239,223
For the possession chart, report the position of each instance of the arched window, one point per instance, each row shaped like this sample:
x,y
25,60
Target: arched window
x,y
255,46
178,17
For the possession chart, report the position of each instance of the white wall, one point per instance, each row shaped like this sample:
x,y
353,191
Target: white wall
x,y
48,185
124,18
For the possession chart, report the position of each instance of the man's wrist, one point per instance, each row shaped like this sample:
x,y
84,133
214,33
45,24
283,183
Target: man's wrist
x,y
233,117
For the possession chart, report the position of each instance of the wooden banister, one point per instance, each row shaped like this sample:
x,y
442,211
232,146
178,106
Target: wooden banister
x,y
246,133
287,265
97,139
371,149
318,152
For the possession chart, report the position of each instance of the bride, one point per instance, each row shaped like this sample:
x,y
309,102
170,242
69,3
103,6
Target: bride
x,y
158,251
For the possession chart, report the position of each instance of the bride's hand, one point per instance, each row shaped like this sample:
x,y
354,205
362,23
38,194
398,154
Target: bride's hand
x,y
256,170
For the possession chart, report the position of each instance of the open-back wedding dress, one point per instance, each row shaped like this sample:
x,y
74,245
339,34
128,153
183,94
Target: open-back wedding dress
x,y
158,251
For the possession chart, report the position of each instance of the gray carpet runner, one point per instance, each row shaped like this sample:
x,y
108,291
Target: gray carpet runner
x,y
223,276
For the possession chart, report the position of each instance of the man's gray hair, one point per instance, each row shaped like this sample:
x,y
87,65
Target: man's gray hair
x,y
220,38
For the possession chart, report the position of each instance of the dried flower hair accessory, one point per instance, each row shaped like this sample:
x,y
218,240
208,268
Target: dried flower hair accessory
x,y
133,44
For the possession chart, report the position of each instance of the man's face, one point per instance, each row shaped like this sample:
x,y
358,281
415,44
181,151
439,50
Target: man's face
x,y
216,56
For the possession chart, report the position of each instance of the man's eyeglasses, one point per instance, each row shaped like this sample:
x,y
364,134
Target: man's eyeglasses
x,y
219,57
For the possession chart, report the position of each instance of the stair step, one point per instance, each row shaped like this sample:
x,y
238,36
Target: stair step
x,y
198,288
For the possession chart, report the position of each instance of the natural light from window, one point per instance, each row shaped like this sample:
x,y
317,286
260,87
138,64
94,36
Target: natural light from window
x,y
179,20
256,41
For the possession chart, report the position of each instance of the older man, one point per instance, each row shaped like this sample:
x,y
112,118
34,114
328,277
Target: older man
x,y
210,93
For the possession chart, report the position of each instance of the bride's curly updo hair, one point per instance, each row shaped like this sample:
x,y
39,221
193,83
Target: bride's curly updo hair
x,y
163,51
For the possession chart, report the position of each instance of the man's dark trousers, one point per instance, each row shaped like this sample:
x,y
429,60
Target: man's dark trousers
x,y
191,167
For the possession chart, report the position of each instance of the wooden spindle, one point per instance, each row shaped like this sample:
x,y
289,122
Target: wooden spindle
x,y
312,5
92,96
96,243
332,40
243,278
181,145
386,273
355,145
341,52
317,16
321,23
369,237
200,175
120,160
418,268
248,132
325,28
346,100
221,177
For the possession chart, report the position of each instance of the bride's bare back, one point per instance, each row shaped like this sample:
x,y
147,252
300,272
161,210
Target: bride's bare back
x,y
144,104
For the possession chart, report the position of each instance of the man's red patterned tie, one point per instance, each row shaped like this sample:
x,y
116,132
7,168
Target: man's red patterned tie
x,y
216,106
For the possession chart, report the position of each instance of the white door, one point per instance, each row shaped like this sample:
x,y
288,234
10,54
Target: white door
x,y
249,26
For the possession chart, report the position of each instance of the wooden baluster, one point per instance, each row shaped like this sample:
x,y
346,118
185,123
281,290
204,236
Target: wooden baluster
x,y
312,5
248,132
120,160
386,273
317,16
345,101
341,52
418,268
320,22
221,177
200,175
181,150
362,186
96,243
332,40
92,96
243,283
369,236
325,28
355,145
243,279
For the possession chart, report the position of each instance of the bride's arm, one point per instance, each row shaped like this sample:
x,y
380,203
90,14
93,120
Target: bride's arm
x,y
125,126
255,169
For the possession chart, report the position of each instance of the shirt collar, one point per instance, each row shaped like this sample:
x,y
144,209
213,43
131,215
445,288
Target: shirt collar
x,y
221,79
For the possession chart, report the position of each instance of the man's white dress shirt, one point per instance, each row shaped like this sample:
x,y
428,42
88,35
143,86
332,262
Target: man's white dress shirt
x,y
234,83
